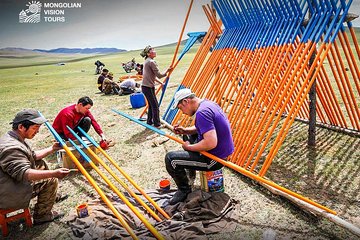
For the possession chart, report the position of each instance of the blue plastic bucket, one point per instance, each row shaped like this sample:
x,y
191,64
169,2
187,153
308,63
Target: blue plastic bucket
x,y
137,100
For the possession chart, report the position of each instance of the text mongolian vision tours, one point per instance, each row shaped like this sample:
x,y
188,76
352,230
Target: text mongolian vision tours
x,y
62,5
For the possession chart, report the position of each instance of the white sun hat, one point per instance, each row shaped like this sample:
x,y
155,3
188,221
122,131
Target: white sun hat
x,y
180,95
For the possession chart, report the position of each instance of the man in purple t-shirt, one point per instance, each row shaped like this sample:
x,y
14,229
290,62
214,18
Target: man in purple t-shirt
x,y
213,134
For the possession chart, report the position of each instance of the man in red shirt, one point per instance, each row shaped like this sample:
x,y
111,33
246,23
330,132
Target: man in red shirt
x,y
76,115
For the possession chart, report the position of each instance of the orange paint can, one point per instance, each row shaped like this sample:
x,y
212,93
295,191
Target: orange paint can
x,y
164,184
82,210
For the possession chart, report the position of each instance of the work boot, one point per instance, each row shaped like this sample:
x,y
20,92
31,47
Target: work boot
x,y
184,188
179,196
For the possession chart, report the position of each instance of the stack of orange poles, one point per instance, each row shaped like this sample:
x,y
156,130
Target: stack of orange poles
x,y
260,87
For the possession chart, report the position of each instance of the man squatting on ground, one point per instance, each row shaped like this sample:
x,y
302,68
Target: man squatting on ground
x,y
101,78
109,85
210,133
129,86
76,115
23,173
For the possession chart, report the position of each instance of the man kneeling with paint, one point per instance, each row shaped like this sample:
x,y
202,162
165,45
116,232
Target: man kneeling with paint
x,y
77,115
210,133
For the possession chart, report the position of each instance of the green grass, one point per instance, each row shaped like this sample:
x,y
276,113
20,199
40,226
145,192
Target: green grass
x,y
49,87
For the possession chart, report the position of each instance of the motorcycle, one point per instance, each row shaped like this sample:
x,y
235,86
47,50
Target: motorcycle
x,y
129,65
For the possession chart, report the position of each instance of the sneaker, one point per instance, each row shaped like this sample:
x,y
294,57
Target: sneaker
x,y
179,196
161,126
48,218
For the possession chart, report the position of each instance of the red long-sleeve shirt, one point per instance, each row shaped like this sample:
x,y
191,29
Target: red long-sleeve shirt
x,y
68,116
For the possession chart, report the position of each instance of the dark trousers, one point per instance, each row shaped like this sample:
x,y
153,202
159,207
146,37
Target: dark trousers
x,y
127,91
177,161
153,116
84,124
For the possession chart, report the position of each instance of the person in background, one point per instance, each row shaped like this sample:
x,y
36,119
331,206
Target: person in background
x,y
109,85
76,115
99,66
129,86
23,173
139,69
211,133
101,78
151,73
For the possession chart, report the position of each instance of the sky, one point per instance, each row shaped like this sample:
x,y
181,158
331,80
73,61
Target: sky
x,y
124,24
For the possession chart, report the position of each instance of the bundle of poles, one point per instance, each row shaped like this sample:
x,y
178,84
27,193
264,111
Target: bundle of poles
x,y
260,73
106,200
260,69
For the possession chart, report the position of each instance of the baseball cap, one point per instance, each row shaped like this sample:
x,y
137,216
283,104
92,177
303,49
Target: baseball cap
x,y
180,95
31,115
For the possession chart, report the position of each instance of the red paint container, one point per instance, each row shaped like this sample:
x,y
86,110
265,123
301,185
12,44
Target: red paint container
x,y
82,210
164,184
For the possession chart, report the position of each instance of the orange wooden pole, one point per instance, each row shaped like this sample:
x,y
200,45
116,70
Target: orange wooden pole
x,y
353,35
293,68
134,184
300,98
126,201
100,192
350,59
141,202
257,178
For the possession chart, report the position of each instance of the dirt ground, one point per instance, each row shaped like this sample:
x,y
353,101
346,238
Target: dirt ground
x,y
328,174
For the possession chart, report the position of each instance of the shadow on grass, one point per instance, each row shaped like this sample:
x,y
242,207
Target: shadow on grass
x,y
327,173
139,137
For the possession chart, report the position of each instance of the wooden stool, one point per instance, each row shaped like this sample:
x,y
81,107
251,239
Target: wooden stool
x,y
4,219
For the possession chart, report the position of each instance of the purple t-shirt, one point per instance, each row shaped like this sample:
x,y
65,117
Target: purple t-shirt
x,y
210,116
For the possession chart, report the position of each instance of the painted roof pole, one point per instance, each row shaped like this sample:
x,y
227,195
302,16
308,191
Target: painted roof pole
x,y
231,165
91,180
132,193
121,195
124,174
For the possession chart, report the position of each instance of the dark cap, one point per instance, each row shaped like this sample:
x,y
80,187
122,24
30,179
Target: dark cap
x,y
31,115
